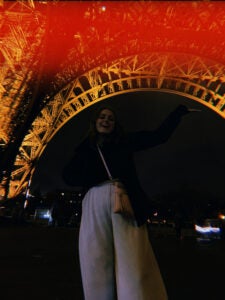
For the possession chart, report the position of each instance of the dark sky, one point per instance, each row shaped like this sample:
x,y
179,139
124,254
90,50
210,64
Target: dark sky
x,y
194,156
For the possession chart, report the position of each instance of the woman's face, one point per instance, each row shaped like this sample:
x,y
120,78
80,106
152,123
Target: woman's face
x,y
105,122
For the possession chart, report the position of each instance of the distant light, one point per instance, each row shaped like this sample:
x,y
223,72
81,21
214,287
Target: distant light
x,y
25,203
47,215
43,213
62,194
222,217
207,229
103,8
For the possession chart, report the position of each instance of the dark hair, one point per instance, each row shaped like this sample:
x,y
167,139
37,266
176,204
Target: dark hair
x,y
114,135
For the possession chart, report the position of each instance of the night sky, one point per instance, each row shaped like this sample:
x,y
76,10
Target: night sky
x,y
194,156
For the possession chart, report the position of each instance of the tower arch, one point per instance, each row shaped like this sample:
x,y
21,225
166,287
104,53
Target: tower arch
x,y
194,77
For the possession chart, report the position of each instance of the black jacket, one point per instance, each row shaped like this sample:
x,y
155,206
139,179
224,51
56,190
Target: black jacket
x,y
86,168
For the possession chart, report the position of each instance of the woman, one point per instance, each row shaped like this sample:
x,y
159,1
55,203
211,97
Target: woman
x,y
116,257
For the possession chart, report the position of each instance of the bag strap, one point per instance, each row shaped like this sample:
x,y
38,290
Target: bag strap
x,y
104,162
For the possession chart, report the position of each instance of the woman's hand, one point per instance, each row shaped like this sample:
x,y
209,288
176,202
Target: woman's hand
x,y
183,110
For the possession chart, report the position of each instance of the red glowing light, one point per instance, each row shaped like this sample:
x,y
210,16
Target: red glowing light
x,y
93,33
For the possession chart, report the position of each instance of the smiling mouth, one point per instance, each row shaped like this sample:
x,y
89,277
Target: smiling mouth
x,y
104,126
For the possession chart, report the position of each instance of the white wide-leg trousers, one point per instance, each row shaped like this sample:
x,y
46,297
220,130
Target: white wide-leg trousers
x,y
116,257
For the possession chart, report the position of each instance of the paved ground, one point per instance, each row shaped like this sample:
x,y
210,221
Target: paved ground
x,y
42,263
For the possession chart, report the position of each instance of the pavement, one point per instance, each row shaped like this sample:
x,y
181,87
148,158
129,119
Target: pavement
x,y
41,262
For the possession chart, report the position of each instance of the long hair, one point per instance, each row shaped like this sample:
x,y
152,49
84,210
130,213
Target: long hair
x,y
114,136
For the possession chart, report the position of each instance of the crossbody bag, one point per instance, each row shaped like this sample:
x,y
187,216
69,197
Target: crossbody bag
x,y
122,203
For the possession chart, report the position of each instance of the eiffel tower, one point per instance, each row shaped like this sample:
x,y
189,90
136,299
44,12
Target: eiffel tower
x,y
58,58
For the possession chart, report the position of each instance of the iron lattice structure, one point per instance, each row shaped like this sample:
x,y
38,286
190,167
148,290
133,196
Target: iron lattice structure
x,y
53,67
17,64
